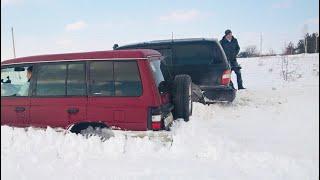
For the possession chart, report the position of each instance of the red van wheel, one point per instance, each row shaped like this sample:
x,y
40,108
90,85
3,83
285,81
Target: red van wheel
x,y
102,133
88,129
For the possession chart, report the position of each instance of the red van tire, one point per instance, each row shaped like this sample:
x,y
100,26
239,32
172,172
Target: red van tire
x,y
182,92
88,129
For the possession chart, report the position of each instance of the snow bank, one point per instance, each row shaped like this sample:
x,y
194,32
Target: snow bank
x,y
271,131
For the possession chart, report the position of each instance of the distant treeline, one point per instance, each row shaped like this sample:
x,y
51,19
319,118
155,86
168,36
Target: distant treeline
x,y
310,44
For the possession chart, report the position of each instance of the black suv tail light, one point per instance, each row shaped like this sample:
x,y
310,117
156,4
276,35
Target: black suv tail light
x,y
226,77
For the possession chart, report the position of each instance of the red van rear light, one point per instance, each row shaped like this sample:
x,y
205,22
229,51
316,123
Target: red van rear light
x,y
156,122
226,77
155,119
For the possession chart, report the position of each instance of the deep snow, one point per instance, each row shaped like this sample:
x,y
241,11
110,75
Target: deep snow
x,y
271,131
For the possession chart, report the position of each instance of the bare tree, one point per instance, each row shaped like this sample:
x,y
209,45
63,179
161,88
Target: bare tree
x,y
271,52
290,48
284,67
251,50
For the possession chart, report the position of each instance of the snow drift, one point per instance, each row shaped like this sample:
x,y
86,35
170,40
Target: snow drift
x,y
271,131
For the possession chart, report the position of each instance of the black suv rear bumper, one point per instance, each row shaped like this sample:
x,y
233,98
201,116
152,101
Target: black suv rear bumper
x,y
218,93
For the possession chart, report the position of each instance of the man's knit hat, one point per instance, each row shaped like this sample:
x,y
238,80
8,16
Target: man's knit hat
x,y
228,31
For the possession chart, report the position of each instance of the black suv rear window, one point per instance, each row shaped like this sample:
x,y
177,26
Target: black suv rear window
x,y
115,78
197,53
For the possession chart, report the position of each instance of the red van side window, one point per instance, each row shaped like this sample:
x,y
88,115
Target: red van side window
x,y
61,80
115,78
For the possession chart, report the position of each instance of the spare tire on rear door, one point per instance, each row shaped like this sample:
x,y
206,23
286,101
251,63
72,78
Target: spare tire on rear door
x,y
182,101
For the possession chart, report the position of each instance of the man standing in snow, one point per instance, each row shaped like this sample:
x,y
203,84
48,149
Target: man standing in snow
x,y
231,48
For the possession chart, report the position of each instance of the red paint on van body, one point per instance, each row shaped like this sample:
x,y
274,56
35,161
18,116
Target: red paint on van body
x,y
128,113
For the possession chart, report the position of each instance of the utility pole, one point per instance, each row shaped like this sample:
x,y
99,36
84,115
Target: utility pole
x,y
316,47
305,44
260,44
285,48
305,32
172,36
13,44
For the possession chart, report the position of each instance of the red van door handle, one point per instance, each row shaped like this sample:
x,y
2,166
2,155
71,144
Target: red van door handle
x,y
73,110
20,109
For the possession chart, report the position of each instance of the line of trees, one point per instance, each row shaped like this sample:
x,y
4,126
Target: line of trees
x,y
310,40
250,51
310,44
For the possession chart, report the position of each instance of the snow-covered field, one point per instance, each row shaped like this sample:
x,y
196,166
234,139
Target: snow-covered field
x,y
271,131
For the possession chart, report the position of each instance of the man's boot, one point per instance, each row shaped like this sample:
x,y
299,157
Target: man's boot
x,y
241,87
239,81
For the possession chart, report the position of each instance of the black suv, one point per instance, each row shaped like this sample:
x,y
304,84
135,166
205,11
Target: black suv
x,y
203,59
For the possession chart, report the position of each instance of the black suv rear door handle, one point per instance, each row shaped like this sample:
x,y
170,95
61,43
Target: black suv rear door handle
x,y
73,110
20,109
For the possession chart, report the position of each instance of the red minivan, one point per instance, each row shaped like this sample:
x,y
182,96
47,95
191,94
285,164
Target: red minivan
x,y
122,89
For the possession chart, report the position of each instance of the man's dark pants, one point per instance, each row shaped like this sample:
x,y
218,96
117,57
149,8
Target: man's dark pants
x,y
236,68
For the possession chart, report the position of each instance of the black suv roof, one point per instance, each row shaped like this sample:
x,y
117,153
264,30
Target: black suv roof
x,y
159,42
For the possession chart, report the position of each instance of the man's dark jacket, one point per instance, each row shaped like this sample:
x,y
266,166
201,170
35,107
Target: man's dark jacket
x,y
231,50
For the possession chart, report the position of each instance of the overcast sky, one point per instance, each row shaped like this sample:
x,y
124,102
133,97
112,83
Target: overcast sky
x,y
58,26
